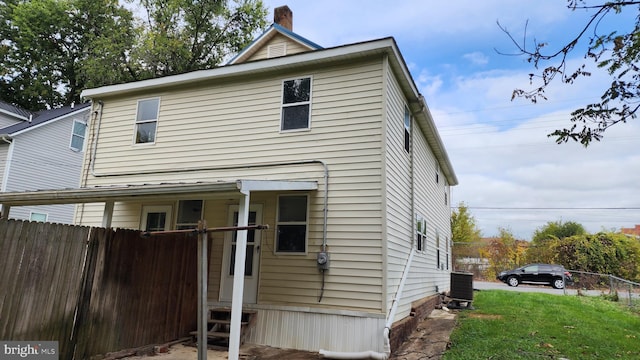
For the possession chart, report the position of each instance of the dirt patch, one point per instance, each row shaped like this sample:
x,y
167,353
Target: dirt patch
x,y
431,338
484,316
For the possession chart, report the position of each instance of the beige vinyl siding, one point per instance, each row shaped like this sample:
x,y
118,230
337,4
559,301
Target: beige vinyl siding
x,y
291,47
237,123
398,186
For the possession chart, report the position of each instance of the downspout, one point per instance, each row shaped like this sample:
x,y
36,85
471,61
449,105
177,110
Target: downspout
x,y
385,333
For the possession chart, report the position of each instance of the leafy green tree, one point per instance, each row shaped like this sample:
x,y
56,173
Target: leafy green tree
x,y
545,240
465,234
618,52
604,253
53,49
183,35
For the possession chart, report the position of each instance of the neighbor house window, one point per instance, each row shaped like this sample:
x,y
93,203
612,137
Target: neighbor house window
x,y
421,232
147,120
296,104
291,226
407,129
189,213
77,135
155,218
41,217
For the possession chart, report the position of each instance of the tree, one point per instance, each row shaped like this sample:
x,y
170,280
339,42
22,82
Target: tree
x,y
184,35
504,252
617,52
53,49
465,234
545,239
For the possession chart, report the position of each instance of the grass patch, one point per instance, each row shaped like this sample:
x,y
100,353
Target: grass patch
x,y
510,325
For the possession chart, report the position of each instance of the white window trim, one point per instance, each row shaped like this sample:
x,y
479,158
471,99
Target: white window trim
x,y
421,234
84,137
135,123
46,216
283,105
306,222
146,209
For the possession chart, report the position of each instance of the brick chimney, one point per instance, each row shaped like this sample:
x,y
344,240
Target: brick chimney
x,y
283,16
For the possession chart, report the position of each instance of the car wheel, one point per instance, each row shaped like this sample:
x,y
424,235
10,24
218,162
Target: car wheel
x,y
558,283
513,281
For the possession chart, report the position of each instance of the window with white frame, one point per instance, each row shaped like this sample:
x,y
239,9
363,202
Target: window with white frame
x,y
291,225
189,213
147,120
36,216
77,135
407,129
438,262
156,218
421,233
296,104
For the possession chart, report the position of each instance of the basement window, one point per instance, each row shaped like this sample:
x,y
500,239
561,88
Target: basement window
x,y
296,104
291,226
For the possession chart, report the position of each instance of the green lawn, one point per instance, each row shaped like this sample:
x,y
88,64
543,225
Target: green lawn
x,y
512,325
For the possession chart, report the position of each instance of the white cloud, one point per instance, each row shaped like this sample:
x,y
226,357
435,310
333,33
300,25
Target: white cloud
x,y
476,58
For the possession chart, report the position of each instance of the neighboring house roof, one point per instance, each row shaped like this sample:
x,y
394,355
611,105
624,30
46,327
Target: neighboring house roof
x,y
14,110
268,35
43,117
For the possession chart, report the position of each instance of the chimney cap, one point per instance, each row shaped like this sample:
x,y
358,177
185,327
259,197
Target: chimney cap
x,y
283,16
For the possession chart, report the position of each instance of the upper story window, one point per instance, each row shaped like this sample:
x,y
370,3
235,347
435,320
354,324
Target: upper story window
x,y
77,135
147,120
407,129
291,227
296,104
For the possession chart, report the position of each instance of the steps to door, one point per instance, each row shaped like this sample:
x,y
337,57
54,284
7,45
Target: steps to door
x,y
219,325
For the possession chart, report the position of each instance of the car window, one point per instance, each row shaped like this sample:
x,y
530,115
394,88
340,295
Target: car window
x,y
546,268
531,268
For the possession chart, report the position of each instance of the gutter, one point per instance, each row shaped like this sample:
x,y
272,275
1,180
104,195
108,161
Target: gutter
x,y
6,138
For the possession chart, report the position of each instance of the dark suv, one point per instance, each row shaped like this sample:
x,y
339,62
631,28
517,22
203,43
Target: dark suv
x,y
554,275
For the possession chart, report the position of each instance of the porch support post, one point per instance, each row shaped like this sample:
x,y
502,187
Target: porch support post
x,y
238,277
107,215
5,211
202,291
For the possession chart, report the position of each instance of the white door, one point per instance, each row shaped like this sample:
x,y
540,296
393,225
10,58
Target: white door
x,y
250,294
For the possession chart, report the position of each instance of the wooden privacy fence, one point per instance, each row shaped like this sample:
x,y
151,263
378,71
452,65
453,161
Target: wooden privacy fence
x,y
95,290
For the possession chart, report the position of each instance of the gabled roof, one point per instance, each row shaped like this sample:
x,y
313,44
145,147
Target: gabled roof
x,y
42,117
14,110
261,40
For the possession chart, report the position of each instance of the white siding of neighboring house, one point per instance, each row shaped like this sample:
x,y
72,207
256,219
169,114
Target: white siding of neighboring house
x,y
42,159
6,120
238,123
398,186
279,43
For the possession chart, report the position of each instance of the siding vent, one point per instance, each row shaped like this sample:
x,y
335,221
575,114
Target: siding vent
x,y
276,50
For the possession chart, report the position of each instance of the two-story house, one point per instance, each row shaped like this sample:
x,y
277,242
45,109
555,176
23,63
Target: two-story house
x,y
334,148
42,150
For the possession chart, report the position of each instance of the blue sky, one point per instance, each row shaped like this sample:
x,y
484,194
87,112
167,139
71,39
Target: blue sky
x,y
511,175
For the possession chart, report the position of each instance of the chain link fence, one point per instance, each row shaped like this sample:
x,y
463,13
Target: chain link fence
x,y
609,286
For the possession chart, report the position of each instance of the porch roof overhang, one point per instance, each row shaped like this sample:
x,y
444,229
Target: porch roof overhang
x,y
148,191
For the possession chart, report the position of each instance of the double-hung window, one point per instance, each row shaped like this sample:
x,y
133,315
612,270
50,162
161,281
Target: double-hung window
x,y
291,227
78,135
147,120
421,233
296,104
189,213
